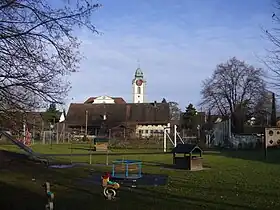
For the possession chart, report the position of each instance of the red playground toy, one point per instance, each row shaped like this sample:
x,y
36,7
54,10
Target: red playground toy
x,y
109,187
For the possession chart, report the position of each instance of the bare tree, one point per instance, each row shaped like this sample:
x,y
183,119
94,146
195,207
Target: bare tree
x,y
272,60
233,85
175,111
38,49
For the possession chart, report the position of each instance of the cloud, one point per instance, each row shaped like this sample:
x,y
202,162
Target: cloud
x,y
174,59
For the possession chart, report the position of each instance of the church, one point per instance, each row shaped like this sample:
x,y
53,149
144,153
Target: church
x,y
105,114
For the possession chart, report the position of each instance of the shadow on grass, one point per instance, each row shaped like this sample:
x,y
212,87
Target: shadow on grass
x,y
273,155
15,197
195,202
94,153
69,195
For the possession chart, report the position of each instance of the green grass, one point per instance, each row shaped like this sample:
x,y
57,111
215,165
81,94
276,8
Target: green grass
x,y
233,180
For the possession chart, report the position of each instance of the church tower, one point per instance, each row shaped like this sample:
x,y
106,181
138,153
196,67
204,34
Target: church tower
x,y
138,87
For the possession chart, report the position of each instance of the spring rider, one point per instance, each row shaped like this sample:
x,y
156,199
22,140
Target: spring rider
x,y
50,196
109,187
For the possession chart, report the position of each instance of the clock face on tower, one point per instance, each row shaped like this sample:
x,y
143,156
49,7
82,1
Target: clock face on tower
x,y
139,82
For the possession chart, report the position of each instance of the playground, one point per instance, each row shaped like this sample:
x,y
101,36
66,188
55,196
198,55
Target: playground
x,y
233,179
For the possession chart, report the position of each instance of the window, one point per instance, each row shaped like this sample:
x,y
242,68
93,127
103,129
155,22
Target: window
x,y
146,131
139,90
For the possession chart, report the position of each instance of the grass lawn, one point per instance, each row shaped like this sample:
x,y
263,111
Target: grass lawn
x,y
233,180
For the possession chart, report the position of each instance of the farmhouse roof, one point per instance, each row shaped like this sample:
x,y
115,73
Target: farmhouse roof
x,y
186,149
116,114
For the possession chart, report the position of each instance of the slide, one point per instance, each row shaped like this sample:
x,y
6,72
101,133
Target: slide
x,y
25,148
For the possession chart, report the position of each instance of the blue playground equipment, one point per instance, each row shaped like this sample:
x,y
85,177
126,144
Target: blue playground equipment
x,y
127,169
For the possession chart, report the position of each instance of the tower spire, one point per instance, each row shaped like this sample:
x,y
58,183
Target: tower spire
x,y
138,63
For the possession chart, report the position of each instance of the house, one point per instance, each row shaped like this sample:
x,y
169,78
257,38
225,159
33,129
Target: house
x,y
141,119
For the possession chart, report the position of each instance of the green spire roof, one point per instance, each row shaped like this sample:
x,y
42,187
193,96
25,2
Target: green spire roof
x,y
139,73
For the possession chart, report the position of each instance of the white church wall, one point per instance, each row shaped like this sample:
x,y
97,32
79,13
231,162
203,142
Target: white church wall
x,y
138,97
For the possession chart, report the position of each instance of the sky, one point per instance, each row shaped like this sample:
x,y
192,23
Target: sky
x,y
178,44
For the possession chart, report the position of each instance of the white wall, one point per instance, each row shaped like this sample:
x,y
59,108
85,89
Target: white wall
x,y
104,99
150,130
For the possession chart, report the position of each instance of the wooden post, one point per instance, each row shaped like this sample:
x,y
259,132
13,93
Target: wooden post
x,y
265,146
90,154
42,131
90,151
71,151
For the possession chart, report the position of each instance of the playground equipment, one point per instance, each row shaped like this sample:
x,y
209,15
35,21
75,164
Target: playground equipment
x,y
100,143
191,159
127,169
26,138
109,187
28,150
50,196
167,136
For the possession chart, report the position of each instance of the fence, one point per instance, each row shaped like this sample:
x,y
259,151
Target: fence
x,y
221,136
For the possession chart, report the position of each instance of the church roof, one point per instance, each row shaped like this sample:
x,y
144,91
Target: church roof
x,y
142,113
139,73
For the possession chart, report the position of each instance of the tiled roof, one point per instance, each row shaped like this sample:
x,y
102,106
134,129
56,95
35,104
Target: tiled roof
x,y
142,113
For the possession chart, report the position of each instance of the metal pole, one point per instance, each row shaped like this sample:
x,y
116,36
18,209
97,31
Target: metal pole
x,y
57,130
71,151
107,157
90,156
24,132
63,132
86,122
175,135
164,140
50,140
90,151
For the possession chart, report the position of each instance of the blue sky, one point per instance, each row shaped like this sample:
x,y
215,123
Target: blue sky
x,y
178,43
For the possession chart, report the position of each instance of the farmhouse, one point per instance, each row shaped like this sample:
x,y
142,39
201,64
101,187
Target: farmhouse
x,y
141,119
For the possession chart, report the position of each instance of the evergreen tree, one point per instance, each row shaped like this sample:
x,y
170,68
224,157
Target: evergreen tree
x,y
189,117
52,115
